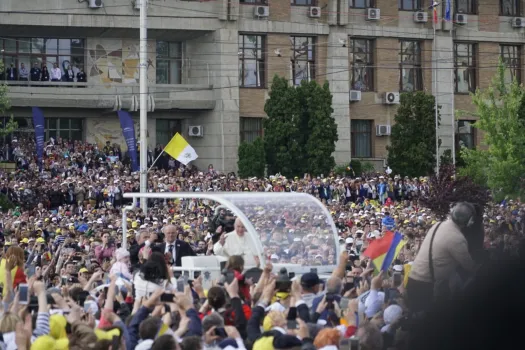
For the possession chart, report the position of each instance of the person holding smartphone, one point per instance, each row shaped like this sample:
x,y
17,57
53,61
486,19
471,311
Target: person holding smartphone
x,y
105,250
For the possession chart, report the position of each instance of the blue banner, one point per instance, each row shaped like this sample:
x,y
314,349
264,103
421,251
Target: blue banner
x,y
447,11
128,130
38,122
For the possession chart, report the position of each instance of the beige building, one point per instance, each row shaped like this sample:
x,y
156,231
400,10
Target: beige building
x,y
210,65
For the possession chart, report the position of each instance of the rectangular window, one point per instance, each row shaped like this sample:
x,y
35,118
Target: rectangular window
x,y
43,51
362,58
303,2
409,5
66,128
303,58
361,138
466,6
411,73
251,129
169,62
465,134
511,56
166,129
253,2
251,61
361,4
510,8
465,67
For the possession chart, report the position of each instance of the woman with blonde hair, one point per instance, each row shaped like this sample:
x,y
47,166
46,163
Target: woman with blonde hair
x,y
13,261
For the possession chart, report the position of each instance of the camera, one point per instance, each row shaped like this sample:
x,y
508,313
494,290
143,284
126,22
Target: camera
x,y
283,282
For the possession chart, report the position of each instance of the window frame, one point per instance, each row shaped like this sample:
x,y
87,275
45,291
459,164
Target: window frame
x,y
57,128
309,62
471,134
371,4
471,4
169,126
416,5
43,57
353,133
311,3
169,59
243,132
260,61
418,86
369,66
518,49
516,11
473,53
254,2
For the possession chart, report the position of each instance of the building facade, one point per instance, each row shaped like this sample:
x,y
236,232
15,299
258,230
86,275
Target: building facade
x,y
211,63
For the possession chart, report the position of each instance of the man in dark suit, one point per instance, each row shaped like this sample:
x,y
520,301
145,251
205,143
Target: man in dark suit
x,y
11,73
173,246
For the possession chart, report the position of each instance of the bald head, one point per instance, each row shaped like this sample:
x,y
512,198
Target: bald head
x,y
239,227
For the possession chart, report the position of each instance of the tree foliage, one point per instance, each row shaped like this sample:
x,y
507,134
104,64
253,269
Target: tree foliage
x,y
501,165
448,188
412,150
11,125
300,132
252,160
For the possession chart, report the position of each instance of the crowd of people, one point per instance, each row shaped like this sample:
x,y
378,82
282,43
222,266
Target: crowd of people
x,y
40,72
68,282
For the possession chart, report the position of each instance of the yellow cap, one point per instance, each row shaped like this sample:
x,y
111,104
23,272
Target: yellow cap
x,y
107,335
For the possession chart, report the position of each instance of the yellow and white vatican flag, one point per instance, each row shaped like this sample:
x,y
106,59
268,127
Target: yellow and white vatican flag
x,y
180,149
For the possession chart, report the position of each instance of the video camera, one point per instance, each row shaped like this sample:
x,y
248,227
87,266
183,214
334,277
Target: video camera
x,y
283,283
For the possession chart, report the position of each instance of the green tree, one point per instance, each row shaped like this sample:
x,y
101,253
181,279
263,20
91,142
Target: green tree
x,y
252,160
11,124
501,165
412,149
300,132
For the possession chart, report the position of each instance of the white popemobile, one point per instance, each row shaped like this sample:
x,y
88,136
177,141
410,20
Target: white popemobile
x,y
293,230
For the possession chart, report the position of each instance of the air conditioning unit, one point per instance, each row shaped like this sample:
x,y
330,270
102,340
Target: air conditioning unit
x,y
195,131
314,12
461,18
420,17
391,98
382,130
95,4
518,22
373,14
261,11
355,95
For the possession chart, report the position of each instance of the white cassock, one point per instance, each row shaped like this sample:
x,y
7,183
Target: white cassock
x,y
236,245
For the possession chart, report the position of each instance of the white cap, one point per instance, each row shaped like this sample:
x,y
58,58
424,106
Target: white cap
x,y
349,240
297,239
274,256
398,268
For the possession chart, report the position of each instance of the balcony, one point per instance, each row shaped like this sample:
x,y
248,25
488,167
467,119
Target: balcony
x,y
112,96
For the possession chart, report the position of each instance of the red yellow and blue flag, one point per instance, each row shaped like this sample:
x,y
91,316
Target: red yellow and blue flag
x,y
383,251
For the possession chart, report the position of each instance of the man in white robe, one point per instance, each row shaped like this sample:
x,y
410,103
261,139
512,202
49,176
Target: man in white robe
x,y
237,243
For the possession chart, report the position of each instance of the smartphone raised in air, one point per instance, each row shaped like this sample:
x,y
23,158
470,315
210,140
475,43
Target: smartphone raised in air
x,y
23,294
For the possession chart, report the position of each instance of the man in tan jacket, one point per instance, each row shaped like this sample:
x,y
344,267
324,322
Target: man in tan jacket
x,y
434,271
